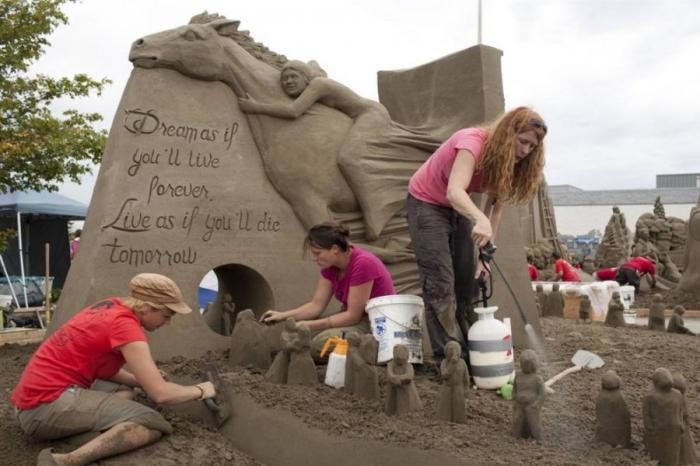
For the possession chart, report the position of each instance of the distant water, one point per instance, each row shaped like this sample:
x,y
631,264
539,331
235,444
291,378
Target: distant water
x,y
581,219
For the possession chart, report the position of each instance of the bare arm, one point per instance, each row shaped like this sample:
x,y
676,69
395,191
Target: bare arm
x,y
138,356
357,300
307,311
125,377
460,177
313,92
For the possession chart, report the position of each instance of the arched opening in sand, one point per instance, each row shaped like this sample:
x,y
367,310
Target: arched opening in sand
x,y
228,289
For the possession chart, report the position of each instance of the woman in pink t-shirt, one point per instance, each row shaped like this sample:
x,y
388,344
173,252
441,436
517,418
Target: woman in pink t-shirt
x,y
504,160
351,274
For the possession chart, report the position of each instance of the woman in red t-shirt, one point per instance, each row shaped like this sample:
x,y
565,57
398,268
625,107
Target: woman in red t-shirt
x,y
75,383
350,273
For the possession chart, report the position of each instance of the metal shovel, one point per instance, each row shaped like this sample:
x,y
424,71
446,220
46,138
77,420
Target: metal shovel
x,y
581,359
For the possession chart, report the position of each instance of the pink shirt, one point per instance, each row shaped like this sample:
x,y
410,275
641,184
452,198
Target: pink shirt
x,y
362,268
567,272
429,183
641,264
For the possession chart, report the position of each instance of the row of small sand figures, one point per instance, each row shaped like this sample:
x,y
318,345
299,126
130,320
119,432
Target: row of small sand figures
x,y
667,435
294,365
552,304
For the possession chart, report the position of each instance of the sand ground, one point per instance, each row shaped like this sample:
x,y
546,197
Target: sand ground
x,y
568,415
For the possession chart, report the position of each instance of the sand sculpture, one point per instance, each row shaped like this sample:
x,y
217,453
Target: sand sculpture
x,y
615,316
204,186
688,453
554,304
676,323
530,394
663,238
584,308
614,248
402,396
228,313
353,360
540,298
613,425
588,265
365,378
455,383
690,281
657,319
248,344
662,409
293,365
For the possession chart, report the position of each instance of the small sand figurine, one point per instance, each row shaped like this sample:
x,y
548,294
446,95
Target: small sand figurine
x,y
228,313
353,360
302,370
529,397
656,314
662,409
584,309
365,378
676,324
615,316
402,396
455,377
612,413
540,298
248,346
554,304
280,365
688,454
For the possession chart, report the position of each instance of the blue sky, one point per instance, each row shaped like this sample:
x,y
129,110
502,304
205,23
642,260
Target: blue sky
x,y
618,81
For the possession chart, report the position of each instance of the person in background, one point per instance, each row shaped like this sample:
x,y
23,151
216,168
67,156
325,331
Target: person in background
x,y
75,243
531,269
564,271
634,269
348,272
607,273
75,382
505,161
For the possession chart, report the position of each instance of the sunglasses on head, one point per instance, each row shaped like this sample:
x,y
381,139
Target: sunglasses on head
x,y
539,124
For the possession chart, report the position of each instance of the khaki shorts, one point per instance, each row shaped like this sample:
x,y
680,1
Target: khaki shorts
x,y
319,339
80,410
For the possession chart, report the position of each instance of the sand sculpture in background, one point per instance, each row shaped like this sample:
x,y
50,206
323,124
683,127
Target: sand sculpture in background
x,y
584,308
402,396
615,316
657,320
613,425
541,254
614,248
228,313
540,298
676,323
455,383
661,237
662,409
293,364
690,281
248,345
353,360
688,453
554,304
365,377
529,396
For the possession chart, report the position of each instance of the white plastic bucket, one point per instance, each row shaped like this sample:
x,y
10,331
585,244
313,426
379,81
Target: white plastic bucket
x,y
627,296
397,320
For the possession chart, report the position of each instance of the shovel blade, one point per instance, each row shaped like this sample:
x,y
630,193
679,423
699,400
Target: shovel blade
x,y
587,359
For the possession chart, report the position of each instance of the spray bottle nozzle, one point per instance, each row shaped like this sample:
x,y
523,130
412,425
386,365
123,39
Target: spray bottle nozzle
x,y
486,252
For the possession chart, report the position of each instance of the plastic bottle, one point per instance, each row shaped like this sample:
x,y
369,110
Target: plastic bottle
x,y
335,371
490,350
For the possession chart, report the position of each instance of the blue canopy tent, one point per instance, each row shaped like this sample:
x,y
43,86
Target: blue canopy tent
x,y
39,217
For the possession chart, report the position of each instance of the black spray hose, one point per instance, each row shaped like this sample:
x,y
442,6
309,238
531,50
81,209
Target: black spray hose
x,y
485,256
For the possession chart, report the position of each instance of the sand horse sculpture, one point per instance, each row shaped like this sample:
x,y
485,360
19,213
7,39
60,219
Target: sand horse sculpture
x,y
350,159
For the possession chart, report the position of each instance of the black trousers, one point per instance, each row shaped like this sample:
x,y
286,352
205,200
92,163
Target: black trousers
x,y
627,276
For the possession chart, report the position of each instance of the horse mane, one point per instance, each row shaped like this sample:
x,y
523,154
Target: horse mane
x,y
245,40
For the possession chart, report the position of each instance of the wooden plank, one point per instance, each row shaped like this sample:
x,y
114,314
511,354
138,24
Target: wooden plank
x,y
21,336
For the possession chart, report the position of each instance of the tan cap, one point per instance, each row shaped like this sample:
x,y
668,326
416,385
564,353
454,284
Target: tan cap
x,y
158,289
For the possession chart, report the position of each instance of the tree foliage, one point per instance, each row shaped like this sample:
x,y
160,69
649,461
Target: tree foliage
x,y
39,150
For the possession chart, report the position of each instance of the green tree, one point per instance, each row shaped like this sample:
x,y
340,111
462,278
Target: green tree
x,y
39,150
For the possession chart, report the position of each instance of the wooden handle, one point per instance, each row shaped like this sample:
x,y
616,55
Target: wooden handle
x,y
562,374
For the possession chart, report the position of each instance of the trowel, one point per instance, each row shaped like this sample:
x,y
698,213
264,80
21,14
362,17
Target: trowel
x,y
581,359
220,405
